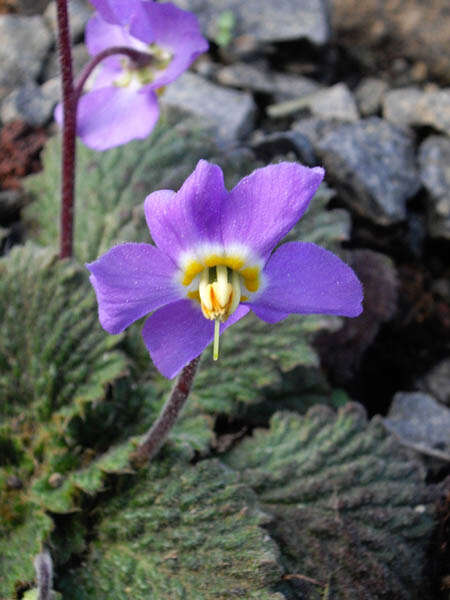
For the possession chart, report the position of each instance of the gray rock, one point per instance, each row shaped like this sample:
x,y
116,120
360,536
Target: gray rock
x,y
411,106
335,102
434,160
283,142
313,128
373,165
29,103
437,382
25,42
265,20
79,13
399,106
420,423
434,110
80,56
231,112
52,92
259,78
369,95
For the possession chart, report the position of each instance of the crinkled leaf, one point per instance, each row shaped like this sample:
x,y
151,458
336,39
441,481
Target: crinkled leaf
x,y
186,532
349,507
18,547
191,433
55,361
66,496
52,349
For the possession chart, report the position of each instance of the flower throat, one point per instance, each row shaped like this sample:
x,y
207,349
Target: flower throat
x,y
220,293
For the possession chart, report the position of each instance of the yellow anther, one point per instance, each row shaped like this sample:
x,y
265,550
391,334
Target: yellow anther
x,y
236,291
222,289
205,294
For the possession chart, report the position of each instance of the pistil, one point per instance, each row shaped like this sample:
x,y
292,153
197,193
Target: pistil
x,y
216,339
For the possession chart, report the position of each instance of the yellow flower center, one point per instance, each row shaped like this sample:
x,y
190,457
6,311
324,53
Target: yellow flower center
x,y
133,75
216,283
219,291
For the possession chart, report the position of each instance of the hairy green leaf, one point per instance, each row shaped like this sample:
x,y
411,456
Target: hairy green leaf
x,y
56,362
52,349
18,547
349,507
98,428
180,532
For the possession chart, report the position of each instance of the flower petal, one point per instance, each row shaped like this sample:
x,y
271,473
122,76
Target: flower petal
x,y
101,34
264,206
179,222
118,11
111,116
177,333
172,29
304,278
130,281
267,314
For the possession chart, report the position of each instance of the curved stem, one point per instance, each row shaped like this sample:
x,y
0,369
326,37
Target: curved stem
x,y
157,434
69,127
141,59
71,95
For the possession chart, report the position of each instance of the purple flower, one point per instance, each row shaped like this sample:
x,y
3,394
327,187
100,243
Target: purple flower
x,y
122,104
214,261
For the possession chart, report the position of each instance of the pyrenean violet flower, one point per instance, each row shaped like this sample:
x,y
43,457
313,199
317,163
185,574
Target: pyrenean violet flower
x,y
213,262
122,103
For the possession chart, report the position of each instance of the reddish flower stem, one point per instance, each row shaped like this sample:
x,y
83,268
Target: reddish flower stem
x,y
71,95
69,127
157,434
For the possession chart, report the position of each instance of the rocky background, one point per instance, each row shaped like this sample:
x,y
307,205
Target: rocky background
x,y
359,87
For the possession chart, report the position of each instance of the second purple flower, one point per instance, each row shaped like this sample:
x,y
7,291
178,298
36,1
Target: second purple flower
x,y
122,102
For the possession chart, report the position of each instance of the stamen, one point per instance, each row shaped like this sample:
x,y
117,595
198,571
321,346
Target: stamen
x,y
203,289
236,293
216,339
222,287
